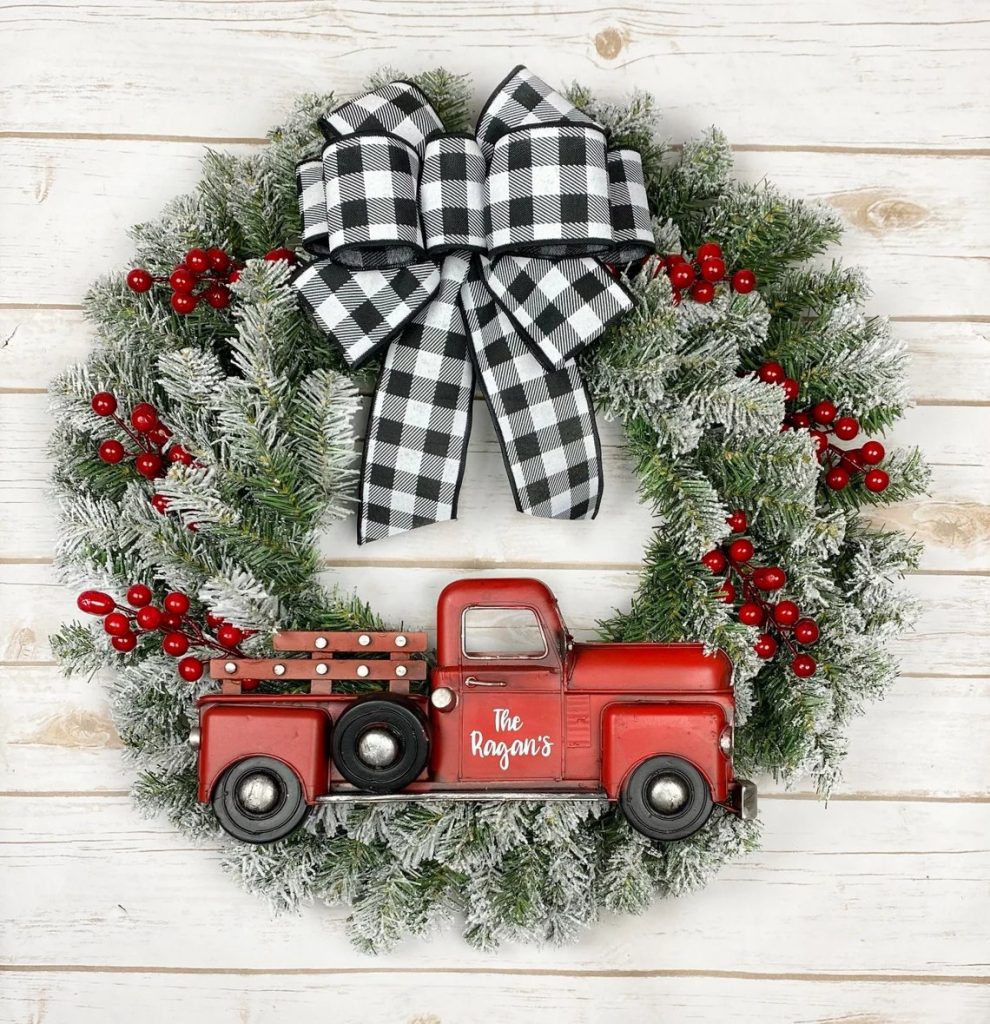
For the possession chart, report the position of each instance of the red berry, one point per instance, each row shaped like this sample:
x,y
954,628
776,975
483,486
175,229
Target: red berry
x,y
712,269
846,428
183,302
197,261
94,602
872,452
821,441
702,291
111,451
741,550
800,420
710,250
771,373
743,281
786,613
770,577
175,644
149,617
233,277
182,279
852,459
159,435
249,684
178,454
824,412
792,388
876,481
229,636
213,621
148,465
139,280
176,603
837,478
159,503
218,259
282,253
682,275
726,593
103,403
804,665
125,642
217,296
737,521
750,614
117,624
190,669
806,631
170,621
144,417
138,595
765,646
674,257
714,561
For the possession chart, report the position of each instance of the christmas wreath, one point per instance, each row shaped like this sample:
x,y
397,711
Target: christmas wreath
x,y
211,435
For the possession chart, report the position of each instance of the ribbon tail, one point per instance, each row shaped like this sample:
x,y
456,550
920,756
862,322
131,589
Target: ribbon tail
x,y
420,419
543,418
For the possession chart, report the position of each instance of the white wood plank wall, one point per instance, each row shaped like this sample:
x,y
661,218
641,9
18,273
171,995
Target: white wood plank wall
x,y
871,910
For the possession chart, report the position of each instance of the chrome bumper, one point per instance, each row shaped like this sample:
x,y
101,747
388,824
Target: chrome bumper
x,y
742,799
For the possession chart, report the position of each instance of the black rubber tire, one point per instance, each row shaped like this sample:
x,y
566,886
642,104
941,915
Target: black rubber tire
x,y
653,824
404,724
252,827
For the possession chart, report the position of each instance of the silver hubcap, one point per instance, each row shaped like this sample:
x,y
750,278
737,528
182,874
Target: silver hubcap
x,y
378,748
257,793
668,793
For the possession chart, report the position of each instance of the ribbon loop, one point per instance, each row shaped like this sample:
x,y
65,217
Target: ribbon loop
x,y
453,253
548,192
371,184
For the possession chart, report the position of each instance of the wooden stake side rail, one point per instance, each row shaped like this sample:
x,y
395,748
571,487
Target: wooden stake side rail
x,y
327,669
350,642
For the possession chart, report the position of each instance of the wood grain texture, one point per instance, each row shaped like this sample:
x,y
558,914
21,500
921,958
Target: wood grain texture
x,y
497,995
882,74
917,222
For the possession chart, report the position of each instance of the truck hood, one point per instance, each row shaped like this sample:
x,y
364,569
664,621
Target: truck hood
x,y
647,668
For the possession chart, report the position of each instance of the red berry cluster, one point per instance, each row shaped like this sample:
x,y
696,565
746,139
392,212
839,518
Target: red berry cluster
x,y
781,621
146,431
822,420
208,270
139,615
700,275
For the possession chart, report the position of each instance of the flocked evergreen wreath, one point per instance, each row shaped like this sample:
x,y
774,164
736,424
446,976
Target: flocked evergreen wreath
x,y
268,416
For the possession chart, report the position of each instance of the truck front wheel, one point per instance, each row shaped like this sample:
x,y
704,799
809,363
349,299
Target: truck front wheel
x,y
666,798
259,800
380,746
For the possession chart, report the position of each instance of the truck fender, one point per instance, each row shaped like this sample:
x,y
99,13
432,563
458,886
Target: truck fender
x,y
297,736
633,732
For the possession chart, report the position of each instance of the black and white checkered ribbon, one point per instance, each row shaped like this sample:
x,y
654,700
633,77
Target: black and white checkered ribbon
x,y
465,256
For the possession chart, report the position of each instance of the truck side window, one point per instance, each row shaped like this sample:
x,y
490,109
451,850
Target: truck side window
x,y
503,633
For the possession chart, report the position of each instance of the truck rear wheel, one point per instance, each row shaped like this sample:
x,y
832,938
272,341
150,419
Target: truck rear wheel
x,y
259,800
380,746
666,798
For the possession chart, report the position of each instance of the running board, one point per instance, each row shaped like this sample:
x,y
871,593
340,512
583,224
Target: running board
x,y
459,795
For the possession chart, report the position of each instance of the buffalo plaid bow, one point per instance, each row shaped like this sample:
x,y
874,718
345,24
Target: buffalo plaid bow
x,y
460,254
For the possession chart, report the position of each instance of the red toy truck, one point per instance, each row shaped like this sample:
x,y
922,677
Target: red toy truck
x,y
516,709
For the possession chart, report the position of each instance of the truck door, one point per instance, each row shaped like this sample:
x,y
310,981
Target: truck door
x,y
510,696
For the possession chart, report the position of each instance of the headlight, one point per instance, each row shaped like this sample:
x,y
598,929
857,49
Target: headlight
x,y
442,698
195,736
725,741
